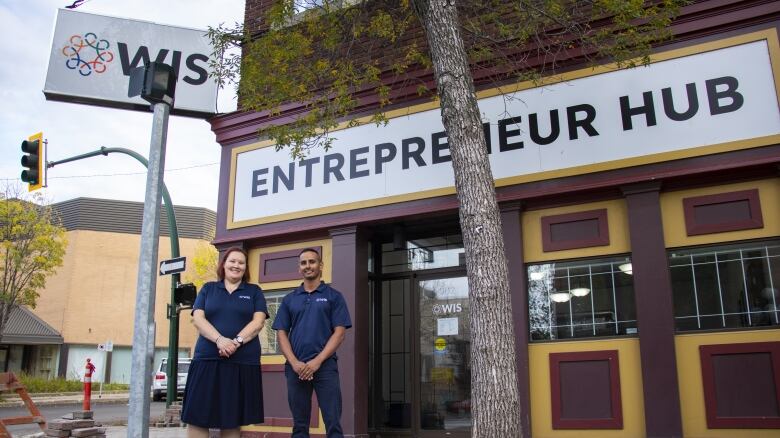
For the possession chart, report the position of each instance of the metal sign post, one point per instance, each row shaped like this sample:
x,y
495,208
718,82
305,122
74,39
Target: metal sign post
x,y
158,87
173,266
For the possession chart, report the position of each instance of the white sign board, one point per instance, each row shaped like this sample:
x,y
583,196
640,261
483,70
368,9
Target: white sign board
x,y
709,98
92,56
447,327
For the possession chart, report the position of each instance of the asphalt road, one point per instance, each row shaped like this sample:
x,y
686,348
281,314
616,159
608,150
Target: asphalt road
x,y
105,413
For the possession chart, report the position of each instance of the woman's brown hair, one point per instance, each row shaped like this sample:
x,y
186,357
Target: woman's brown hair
x,y
221,265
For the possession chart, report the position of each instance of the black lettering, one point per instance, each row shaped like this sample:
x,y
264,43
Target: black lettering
x,y
504,134
354,162
693,103
176,62
288,180
714,96
331,169
486,128
586,123
141,57
648,109
437,146
308,163
380,158
416,154
195,68
257,182
555,128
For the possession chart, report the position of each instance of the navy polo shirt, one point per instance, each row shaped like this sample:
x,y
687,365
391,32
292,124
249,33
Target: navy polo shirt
x,y
311,318
229,313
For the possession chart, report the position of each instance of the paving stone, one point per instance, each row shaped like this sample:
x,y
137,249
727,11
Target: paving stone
x,y
87,431
58,424
83,414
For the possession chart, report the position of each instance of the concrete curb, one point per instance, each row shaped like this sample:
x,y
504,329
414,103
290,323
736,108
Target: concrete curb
x,y
10,401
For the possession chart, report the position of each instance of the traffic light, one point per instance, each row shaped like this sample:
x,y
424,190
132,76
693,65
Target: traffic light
x,y
32,159
184,294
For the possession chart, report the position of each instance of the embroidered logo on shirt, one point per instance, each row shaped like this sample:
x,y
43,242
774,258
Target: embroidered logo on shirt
x,y
244,297
321,299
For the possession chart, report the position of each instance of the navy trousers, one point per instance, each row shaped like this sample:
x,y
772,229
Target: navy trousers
x,y
328,389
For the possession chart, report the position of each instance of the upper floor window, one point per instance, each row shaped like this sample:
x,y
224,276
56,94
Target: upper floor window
x,y
585,298
727,286
424,253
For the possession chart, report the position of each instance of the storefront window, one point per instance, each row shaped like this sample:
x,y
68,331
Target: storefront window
x,y
426,253
267,335
581,299
729,286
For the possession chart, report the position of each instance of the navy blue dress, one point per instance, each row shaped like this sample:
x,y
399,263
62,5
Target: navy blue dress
x,y
226,393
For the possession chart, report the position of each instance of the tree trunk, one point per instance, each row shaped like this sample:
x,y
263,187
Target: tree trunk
x,y
495,400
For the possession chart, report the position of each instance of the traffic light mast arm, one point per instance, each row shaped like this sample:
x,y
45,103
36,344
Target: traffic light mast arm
x,y
173,315
173,231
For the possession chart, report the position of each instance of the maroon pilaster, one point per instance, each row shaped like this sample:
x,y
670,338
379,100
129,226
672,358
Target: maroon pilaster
x,y
513,248
655,314
350,277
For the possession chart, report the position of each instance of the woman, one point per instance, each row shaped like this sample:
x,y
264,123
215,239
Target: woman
x,y
224,386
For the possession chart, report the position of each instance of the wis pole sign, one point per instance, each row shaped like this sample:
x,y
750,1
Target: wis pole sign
x,y
173,266
92,56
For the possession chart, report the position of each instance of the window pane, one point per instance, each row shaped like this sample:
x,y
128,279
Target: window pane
x,y
707,289
578,299
732,285
684,293
735,286
267,335
428,253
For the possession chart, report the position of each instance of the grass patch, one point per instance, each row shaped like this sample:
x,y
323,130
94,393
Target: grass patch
x,y
40,385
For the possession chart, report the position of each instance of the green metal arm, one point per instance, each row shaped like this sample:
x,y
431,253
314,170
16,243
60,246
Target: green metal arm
x,y
173,312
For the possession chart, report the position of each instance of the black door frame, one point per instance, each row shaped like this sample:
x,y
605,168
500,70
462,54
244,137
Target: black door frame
x,y
414,277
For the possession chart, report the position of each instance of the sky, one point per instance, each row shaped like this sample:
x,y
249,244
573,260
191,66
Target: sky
x,y
192,155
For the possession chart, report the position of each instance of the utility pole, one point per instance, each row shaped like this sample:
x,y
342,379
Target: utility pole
x,y
156,83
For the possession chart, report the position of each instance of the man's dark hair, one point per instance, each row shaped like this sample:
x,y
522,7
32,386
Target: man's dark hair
x,y
319,256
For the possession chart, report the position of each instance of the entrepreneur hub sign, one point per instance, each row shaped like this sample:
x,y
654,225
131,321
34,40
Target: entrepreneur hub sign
x,y
92,55
689,104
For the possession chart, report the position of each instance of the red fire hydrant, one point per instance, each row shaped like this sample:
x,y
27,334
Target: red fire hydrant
x,y
88,384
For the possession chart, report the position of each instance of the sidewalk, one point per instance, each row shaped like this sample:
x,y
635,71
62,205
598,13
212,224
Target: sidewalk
x,y
154,432
121,431
112,431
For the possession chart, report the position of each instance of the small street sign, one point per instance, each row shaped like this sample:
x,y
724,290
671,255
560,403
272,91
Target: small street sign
x,y
173,266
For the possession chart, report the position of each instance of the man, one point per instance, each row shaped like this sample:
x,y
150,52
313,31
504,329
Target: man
x,y
310,325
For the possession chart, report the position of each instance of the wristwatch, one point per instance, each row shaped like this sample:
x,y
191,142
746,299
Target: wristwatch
x,y
240,340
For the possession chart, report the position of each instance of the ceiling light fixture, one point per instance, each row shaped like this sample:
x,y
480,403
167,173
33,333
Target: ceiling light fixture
x,y
560,297
580,291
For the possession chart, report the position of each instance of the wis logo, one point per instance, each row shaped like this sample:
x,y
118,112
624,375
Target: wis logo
x,y
89,54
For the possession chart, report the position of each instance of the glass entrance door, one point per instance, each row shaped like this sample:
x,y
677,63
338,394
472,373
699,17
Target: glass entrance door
x,y
444,366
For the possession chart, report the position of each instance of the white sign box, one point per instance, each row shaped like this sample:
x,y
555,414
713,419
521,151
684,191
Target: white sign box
x,y
92,55
715,97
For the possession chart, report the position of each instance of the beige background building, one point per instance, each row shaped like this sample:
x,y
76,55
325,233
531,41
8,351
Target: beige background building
x,y
91,298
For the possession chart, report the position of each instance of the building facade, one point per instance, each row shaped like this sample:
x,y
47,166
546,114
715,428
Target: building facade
x,y
641,222
90,300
